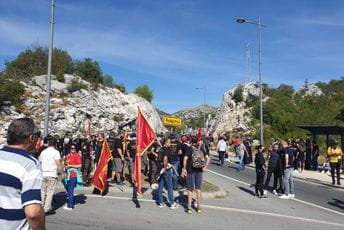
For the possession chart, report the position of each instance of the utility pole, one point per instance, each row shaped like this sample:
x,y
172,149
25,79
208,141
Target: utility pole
x,y
248,63
48,81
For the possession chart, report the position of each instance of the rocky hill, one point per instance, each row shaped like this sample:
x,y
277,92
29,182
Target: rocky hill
x,y
193,117
98,110
234,114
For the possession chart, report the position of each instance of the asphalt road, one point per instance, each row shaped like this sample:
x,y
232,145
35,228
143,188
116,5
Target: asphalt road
x,y
322,195
240,209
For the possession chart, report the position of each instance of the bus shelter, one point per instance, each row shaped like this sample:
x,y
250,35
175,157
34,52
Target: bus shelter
x,y
327,130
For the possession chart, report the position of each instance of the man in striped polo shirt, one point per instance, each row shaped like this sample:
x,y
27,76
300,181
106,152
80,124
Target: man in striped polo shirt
x,y
20,179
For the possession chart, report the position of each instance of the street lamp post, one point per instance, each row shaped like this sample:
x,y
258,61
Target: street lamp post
x,y
48,81
258,23
204,101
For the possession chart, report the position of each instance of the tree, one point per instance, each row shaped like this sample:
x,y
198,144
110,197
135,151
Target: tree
x,y
11,91
108,81
34,61
145,92
89,70
237,95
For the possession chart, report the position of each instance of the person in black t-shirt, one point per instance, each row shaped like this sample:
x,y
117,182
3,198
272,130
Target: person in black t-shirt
x,y
118,159
273,167
153,161
260,171
194,176
288,172
130,158
165,180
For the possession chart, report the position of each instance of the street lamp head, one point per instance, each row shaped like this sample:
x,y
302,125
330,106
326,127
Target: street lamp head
x,y
241,20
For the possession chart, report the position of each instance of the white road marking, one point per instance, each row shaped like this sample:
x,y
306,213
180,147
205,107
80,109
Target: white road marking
x,y
300,179
298,200
229,178
230,210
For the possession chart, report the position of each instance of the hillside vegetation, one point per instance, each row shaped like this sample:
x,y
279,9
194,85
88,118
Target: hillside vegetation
x,y
34,62
284,108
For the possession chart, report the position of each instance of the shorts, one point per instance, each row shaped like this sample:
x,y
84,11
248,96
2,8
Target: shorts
x,y
194,181
117,165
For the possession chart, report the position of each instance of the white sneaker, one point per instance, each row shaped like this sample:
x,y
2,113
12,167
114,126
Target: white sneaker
x,y
161,205
292,195
275,192
265,192
173,206
66,208
284,196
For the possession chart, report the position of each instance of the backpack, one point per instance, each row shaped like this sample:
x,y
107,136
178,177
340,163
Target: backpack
x,y
198,160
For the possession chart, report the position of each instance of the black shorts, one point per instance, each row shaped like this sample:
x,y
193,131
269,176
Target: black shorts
x,y
194,181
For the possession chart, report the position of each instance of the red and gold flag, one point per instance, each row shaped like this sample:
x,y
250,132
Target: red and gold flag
x,y
199,134
39,144
100,175
144,139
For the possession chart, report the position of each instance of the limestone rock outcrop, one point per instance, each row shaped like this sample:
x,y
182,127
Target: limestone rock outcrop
x,y
97,110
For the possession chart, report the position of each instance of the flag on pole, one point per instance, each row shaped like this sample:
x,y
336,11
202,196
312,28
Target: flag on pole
x,y
100,175
39,144
199,134
144,139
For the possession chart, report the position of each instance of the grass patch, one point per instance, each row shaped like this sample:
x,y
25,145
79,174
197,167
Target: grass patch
x,y
209,187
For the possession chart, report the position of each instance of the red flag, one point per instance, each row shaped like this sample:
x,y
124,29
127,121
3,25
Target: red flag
x,y
199,134
144,138
39,144
100,175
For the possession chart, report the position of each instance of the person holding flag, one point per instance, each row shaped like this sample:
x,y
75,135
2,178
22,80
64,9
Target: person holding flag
x,y
145,136
100,174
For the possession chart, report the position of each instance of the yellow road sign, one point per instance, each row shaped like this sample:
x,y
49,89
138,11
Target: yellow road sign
x,y
172,121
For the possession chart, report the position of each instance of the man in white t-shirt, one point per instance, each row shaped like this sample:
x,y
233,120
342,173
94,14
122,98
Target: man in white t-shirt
x,y
51,164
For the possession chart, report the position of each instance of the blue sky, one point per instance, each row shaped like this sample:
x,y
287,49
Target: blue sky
x,y
176,46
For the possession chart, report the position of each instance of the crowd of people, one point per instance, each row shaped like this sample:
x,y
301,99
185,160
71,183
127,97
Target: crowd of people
x,y
171,162
281,160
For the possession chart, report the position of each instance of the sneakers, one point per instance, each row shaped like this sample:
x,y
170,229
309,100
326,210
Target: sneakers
x,y
66,208
284,196
292,195
173,206
189,211
161,205
199,211
265,192
275,192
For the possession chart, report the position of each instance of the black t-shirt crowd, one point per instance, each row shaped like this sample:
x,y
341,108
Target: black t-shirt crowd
x,y
117,145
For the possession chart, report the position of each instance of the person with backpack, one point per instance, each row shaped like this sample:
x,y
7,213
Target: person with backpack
x,y
196,161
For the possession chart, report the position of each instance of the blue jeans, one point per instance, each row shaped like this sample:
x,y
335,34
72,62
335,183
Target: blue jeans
x,y
175,175
166,181
70,190
241,163
288,181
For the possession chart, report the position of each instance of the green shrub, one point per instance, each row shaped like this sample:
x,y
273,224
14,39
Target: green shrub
x,y
11,91
118,117
120,87
34,61
76,85
145,92
237,95
89,70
